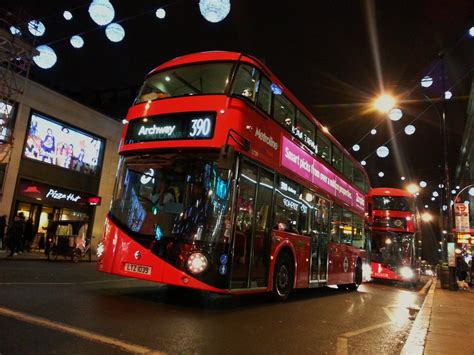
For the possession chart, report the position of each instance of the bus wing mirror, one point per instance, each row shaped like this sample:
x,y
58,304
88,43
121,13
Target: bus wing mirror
x,y
226,157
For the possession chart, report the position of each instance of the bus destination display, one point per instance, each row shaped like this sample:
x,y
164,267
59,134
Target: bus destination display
x,y
188,125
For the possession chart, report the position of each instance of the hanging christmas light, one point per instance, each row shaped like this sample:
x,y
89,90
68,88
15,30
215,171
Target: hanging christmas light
x,y
214,10
101,12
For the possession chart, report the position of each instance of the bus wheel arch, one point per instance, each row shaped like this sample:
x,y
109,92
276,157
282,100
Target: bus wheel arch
x,y
283,275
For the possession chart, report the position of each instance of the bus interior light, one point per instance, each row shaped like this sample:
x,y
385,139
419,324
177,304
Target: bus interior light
x,y
197,263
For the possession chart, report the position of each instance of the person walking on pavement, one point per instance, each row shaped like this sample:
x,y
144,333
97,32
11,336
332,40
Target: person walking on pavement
x,y
15,234
28,234
3,225
461,271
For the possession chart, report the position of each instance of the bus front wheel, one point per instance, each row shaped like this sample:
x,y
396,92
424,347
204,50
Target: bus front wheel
x,y
283,277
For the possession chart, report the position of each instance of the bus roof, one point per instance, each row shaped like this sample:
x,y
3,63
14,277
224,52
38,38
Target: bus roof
x,y
389,191
213,56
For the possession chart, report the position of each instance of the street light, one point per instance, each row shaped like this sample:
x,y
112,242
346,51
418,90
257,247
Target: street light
x,y
384,103
426,217
412,188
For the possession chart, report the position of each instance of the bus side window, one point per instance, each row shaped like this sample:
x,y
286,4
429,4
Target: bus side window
x,y
346,235
264,94
245,81
336,223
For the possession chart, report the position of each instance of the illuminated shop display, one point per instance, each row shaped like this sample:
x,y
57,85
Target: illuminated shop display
x,y
58,144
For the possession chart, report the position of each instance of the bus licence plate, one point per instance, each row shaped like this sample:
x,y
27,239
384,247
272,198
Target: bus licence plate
x,y
138,269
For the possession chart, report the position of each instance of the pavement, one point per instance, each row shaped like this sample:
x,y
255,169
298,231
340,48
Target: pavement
x,y
444,325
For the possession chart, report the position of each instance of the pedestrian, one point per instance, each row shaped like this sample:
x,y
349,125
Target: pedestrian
x,y
461,271
28,234
15,234
3,224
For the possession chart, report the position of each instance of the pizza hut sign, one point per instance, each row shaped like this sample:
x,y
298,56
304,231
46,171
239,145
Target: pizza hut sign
x,y
58,195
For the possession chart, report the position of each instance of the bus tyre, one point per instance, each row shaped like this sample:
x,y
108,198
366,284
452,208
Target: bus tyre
x,y
357,277
283,277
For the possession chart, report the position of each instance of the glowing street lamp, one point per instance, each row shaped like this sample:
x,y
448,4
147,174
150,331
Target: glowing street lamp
x,y
426,217
412,188
384,103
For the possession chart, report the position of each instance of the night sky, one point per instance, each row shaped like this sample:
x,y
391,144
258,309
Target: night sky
x,y
321,50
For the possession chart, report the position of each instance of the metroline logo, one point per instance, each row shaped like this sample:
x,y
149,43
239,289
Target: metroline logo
x,y
266,139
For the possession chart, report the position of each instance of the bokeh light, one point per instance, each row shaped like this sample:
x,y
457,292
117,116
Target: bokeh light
x,y
115,32
427,81
409,130
395,114
101,12
214,10
36,28
46,58
77,41
383,151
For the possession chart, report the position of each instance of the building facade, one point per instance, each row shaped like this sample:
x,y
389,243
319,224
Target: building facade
x,y
61,157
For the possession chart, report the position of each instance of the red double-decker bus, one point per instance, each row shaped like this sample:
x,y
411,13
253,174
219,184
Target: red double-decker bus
x,y
226,183
393,227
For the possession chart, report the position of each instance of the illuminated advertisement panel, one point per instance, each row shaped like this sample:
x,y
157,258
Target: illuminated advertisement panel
x,y
55,143
303,164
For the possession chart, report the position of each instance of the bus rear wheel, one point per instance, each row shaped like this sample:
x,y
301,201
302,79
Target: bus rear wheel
x,y
283,277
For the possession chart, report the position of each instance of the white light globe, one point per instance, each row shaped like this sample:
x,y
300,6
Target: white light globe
x,y
36,28
471,32
356,147
435,193
423,184
77,41
373,131
115,32
441,186
432,199
46,57
214,10
382,151
427,81
101,12
15,31
363,163
453,192
67,15
409,130
448,94
381,174
395,114
402,178
160,13
471,191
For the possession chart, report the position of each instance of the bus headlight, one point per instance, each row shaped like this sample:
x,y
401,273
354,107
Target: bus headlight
x,y
406,272
197,263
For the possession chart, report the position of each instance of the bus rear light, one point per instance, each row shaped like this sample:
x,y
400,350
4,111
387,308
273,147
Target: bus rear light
x,y
197,263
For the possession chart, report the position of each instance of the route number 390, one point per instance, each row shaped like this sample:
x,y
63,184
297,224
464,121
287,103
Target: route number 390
x,y
200,127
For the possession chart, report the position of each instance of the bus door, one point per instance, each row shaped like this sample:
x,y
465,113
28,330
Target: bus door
x,y
252,236
319,240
